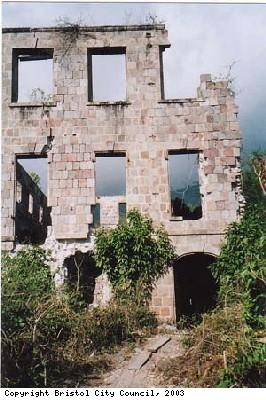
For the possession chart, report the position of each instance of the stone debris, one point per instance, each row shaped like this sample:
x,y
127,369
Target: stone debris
x,y
140,370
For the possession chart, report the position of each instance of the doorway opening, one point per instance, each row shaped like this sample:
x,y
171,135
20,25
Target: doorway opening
x,y
81,274
195,287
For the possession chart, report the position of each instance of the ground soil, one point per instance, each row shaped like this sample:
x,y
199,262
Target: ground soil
x,y
137,367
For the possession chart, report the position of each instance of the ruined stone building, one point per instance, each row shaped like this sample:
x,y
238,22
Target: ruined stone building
x,y
108,151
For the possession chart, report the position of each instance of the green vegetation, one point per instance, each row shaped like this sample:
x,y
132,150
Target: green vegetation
x,y
226,349
50,338
46,339
240,268
133,255
35,177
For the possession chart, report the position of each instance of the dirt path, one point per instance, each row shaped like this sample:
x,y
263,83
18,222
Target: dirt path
x,y
140,370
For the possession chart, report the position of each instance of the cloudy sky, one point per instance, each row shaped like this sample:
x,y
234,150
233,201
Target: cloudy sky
x,y
206,38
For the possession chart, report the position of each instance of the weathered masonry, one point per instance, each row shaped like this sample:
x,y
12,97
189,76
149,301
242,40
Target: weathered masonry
x,y
90,101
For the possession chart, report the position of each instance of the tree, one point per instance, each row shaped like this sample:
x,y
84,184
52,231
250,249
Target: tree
x,y
254,179
240,268
35,177
133,255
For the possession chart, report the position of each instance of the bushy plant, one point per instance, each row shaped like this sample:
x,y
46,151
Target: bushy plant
x,y
105,327
26,282
248,370
26,279
212,346
45,339
133,255
240,268
224,350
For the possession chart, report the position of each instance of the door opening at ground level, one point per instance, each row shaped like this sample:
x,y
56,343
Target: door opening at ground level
x,y
195,287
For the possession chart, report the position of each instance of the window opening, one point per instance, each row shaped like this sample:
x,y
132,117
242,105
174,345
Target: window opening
x,y
32,75
30,204
161,53
122,212
107,74
96,215
32,214
41,214
110,174
18,192
184,185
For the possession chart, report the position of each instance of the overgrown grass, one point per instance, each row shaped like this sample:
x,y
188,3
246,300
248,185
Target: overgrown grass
x,y
225,349
214,351
45,339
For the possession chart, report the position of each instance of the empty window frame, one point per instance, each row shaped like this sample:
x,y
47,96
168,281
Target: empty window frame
x,y
107,74
122,212
32,214
18,192
184,184
110,174
32,75
30,204
96,215
161,52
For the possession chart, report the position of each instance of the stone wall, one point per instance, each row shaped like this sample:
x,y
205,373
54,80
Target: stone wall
x,y
145,127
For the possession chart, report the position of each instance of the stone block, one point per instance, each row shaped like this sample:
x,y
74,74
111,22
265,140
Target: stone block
x,y
143,128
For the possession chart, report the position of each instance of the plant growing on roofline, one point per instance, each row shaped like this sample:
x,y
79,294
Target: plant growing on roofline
x,y
71,31
133,255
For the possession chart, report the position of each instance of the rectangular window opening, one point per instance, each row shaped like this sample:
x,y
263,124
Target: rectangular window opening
x,y
32,75
30,204
110,171
96,215
122,212
107,74
161,52
32,214
184,185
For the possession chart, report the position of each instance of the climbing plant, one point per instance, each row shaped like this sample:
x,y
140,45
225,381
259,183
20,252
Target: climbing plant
x,y
133,255
241,267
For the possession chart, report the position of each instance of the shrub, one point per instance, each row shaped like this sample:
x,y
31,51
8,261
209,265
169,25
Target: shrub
x,y
240,268
211,346
45,339
26,279
133,255
105,327
224,350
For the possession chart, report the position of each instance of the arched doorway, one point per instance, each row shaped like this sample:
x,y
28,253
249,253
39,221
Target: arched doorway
x,y
81,273
195,287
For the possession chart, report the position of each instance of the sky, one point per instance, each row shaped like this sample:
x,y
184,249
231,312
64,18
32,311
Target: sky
x,y
205,38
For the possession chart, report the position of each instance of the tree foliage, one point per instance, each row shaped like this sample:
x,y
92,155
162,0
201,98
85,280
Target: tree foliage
x,y
35,177
226,349
45,340
254,179
26,280
240,268
133,255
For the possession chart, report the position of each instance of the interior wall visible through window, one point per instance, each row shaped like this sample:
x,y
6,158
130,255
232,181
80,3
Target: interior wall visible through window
x,y
32,214
184,185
